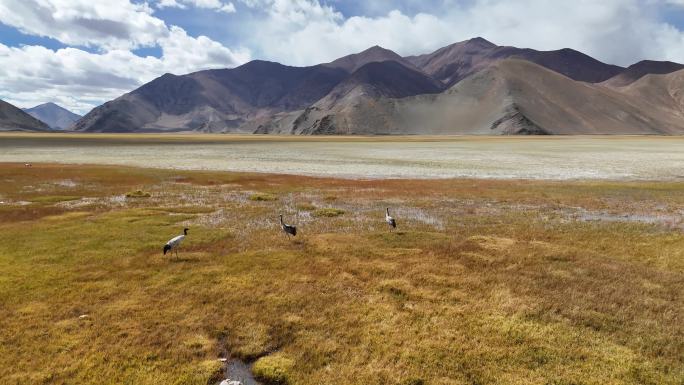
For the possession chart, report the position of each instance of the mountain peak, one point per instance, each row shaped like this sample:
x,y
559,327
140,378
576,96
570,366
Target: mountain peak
x,y
376,48
666,65
54,115
480,41
351,63
640,69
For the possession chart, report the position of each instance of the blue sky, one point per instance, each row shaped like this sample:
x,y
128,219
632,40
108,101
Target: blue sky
x,y
81,53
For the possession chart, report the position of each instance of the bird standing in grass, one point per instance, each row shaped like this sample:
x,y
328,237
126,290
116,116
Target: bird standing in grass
x,y
390,221
174,243
287,229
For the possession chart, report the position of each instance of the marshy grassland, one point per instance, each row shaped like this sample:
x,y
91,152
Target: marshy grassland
x,y
485,281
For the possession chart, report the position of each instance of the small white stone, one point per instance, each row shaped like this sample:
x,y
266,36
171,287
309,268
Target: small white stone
x,y
223,359
230,382
83,316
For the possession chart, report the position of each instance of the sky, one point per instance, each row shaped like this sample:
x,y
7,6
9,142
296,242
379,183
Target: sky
x,y
82,53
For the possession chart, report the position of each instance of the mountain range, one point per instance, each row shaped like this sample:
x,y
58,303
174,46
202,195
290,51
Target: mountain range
x,y
470,87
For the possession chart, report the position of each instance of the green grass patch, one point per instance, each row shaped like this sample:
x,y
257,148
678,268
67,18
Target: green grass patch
x,y
138,194
54,198
273,369
186,209
262,197
327,212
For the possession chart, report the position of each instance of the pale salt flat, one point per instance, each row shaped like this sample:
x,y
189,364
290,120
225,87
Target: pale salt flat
x,y
553,158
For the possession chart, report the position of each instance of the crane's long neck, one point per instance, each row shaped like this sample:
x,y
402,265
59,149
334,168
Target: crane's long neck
x,y
388,212
281,220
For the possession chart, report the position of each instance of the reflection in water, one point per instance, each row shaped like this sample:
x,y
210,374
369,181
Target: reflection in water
x,y
238,373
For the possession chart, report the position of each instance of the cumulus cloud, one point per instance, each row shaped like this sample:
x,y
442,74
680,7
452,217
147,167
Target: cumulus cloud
x,y
93,23
182,53
616,31
80,80
71,77
216,5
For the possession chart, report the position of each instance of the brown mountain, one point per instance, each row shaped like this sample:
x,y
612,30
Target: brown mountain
x,y
641,69
509,97
472,87
371,82
14,119
213,100
353,62
455,62
384,79
660,95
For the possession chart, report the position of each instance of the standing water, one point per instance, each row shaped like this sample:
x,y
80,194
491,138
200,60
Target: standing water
x,y
238,373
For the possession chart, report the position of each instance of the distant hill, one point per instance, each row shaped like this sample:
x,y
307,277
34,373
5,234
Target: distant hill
x,y
455,62
641,69
14,119
470,87
53,115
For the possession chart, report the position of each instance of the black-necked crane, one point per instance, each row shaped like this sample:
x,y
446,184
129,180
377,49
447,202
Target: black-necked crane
x,y
287,229
174,243
390,221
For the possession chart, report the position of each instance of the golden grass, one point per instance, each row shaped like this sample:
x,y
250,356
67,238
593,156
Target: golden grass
x,y
138,194
328,212
54,198
513,287
262,197
273,369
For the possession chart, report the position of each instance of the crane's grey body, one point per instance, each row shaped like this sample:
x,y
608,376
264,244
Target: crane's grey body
x,y
287,229
174,243
390,221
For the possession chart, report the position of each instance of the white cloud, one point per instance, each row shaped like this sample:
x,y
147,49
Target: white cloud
x,y
95,23
227,8
80,80
170,4
217,5
615,31
305,32
182,53
69,76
